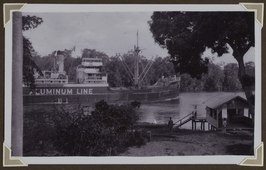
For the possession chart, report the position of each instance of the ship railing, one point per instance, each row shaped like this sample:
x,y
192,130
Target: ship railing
x,y
92,59
51,81
95,81
94,78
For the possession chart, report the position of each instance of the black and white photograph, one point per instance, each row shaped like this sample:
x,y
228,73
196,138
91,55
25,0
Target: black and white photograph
x,y
133,84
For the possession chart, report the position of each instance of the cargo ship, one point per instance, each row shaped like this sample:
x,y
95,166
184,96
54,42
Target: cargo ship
x,y
91,86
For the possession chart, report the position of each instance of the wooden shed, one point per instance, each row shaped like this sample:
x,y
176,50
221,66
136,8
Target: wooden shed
x,y
230,111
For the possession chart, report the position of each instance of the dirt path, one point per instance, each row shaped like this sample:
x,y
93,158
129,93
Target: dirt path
x,y
194,143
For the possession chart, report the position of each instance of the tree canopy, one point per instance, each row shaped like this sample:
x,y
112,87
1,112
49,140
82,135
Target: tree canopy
x,y
186,35
30,22
29,66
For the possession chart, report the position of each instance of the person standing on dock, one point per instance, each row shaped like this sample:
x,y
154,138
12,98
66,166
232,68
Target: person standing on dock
x,y
170,124
224,125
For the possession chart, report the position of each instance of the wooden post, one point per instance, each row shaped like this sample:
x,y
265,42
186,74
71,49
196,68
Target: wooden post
x,y
17,96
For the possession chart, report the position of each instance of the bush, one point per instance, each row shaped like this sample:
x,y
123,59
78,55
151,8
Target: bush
x,y
98,134
66,131
38,131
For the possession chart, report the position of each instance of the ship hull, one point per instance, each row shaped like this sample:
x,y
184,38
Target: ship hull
x,y
91,95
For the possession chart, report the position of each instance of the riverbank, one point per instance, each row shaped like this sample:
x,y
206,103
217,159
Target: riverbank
x,y
187,142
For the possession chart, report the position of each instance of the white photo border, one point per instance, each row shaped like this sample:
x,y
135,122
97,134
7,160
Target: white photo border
x,y
40,8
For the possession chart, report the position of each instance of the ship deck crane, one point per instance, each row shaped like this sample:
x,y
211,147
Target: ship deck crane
x,y
136,76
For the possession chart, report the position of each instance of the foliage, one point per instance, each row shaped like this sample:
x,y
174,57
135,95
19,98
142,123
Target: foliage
x,y
250,68
38,131
160,67
100,133
216,79
135,104
30,22
211,81
186,35
70,63
189,84
117,75
29,66
45,62
171,30
65,131
231,82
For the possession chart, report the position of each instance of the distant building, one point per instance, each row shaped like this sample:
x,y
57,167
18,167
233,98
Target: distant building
x,y
230,111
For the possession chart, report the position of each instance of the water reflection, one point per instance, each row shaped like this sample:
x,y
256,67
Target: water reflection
x,y
159,113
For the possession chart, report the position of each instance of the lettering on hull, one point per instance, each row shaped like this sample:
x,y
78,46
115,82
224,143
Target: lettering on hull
x,y
45,91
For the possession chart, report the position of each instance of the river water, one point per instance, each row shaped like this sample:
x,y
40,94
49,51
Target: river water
x,y
160,112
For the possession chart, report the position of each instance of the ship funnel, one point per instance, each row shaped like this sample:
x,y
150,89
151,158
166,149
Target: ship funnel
x,y
60,61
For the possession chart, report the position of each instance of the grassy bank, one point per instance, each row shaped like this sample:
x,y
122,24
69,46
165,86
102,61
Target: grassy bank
x,y
187,142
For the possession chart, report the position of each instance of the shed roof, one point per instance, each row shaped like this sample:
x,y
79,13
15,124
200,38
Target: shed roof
x,y
223,99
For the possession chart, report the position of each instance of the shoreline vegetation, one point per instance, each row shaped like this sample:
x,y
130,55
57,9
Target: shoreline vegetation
x,y
51,130
112,130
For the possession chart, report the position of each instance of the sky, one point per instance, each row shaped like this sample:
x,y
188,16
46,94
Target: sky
x,y
108,32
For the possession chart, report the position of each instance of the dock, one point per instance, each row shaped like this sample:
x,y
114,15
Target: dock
x,y
194,121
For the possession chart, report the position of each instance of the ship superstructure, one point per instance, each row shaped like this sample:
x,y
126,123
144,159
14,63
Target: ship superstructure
x,y
57,76
90,72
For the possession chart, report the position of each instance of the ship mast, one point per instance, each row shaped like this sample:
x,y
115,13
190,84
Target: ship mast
x,y
136,70
135,75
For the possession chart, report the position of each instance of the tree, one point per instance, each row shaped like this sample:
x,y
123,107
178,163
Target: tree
x,y
214,78
210,81
250,68
70,65
160,67
186,82
231,82
186,35
29,66
114,69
